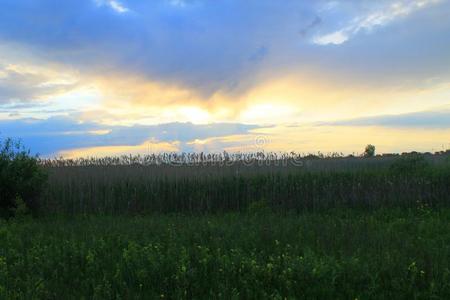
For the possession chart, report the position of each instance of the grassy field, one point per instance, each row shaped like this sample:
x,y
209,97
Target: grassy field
x,y
131,186
219,227
335,254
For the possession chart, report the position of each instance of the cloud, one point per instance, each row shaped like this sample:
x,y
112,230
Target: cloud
x,y
217,46
71,138
335,38
379,16
113,4
19,84
315,23
212,61
117,6
205,46
58,134
425,119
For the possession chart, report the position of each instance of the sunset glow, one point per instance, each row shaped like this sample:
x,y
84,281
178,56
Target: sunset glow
x,y
92,78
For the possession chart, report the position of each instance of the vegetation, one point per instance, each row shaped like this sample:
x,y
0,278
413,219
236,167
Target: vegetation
x,y
337,254
405,181
369,151
22,179
225,226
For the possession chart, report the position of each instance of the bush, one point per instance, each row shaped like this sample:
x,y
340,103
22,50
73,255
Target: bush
x,y
369,151
21,179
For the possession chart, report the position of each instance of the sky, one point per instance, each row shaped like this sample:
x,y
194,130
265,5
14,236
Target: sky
x,y
112,77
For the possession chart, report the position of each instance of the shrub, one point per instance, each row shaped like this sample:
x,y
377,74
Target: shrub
x,y
21,179
369,151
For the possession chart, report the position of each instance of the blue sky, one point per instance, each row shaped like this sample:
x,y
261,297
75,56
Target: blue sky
x,y
116,73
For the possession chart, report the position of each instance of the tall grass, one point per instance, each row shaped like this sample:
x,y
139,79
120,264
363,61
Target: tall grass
x,y
111,186
307,227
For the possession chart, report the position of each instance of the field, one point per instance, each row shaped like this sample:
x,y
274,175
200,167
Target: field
x,y
339,254
233,228
292,184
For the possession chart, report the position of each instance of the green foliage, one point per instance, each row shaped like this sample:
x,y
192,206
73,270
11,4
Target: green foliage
x,y
147,189
340,254
411,164
392,244
369,151
21,179
258,208
20,208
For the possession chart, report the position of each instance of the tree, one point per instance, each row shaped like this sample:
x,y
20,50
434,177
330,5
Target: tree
x,y
369,151
21,179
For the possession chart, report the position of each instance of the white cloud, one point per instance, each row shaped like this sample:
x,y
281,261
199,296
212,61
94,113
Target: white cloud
x,y
376,18
113,4
117,6
335,38
21,83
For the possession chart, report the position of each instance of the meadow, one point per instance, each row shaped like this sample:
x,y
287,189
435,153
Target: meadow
x,y
232,227
138,185
336,254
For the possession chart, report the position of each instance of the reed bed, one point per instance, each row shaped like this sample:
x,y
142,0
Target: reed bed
x,y
216,184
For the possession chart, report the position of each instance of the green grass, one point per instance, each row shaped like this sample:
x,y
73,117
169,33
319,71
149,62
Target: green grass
x,y
335,254
135,189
